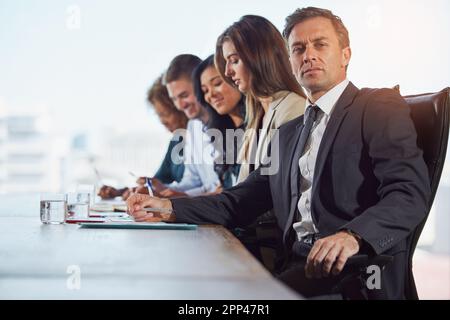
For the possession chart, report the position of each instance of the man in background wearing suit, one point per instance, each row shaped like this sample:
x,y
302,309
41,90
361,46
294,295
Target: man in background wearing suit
x,y
351,178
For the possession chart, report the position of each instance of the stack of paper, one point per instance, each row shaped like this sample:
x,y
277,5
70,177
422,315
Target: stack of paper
x,y
109,207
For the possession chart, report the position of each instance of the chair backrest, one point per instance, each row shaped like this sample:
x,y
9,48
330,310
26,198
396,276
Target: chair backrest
x,y
431,115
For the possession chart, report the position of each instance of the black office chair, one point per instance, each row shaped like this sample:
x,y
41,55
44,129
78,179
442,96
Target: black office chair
x,y
430,113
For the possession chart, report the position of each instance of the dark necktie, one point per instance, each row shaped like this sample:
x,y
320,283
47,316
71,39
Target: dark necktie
x,y
310,117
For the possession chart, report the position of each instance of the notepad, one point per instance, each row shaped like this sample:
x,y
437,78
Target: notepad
x,y
140,225
102,207
107,214
107,207
87,220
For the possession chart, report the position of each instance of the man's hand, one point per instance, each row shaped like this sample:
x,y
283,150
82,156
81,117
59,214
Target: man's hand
x,y
141,181
218,190
166,193
158,186
141,190
127,193
330,255
136,202
107,192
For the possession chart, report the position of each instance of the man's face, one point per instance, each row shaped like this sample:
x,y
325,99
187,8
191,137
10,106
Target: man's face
x,y
181,91
317,59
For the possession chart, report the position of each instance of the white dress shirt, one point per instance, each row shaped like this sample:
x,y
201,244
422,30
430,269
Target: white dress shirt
x,y
308,159
199,176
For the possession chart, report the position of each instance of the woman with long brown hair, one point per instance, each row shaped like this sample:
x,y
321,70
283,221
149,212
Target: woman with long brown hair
x,y
251,54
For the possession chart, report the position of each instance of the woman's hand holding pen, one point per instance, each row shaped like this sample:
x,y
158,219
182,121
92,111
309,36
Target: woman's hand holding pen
x,y
157,185
164,193
141,181
137,203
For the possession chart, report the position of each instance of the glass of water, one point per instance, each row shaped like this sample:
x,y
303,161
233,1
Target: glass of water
x,y
53,208
87,188
78,205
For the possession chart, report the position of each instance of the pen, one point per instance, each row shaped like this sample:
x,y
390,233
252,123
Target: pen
x,y
132,174
148,183
97,174
163,210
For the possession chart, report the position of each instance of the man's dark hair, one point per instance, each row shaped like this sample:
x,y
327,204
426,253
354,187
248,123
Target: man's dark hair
x,y
181,66
304,14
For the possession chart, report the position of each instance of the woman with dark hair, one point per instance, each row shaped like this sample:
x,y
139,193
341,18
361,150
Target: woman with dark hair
x,y
226,108
251,55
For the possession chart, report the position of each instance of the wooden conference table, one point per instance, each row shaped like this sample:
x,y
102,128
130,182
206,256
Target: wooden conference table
x,y
40,261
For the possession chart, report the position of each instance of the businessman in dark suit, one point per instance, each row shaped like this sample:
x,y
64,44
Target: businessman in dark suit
x,y
350,176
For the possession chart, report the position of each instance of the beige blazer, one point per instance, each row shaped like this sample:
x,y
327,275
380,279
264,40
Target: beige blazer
x,y
285,106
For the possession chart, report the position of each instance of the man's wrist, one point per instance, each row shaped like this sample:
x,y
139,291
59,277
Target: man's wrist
x,y
120,192
169,217
356,236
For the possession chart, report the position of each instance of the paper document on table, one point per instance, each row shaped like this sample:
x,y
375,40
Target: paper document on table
x,y
102,207
107,214
120,207
108,207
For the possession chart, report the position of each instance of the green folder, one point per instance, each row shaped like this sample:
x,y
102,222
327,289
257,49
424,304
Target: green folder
x,y
140,225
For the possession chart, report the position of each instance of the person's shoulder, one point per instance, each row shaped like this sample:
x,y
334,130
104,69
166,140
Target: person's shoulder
x,y
292,99
295,97
382,102
291,125
194,124
292,106
379,93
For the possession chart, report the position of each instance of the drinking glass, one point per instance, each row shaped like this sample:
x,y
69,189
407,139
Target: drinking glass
x,y
53,208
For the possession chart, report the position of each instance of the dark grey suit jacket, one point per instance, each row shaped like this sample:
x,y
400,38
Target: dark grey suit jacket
x,y
370,177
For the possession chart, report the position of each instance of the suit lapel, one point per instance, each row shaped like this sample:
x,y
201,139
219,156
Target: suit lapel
x,y
263,136
340,110
293,174
294,168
